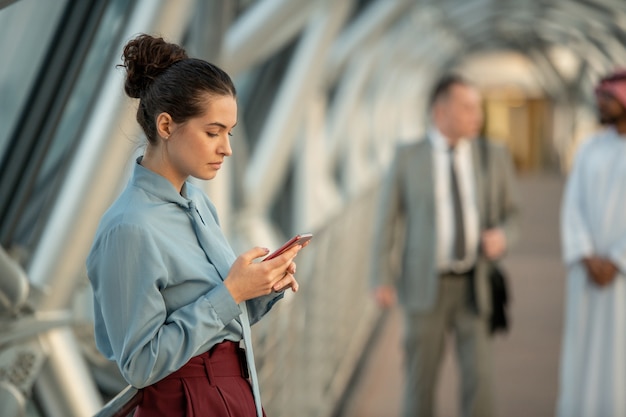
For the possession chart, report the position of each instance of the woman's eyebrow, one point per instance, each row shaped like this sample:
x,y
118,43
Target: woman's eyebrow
x,y
223,126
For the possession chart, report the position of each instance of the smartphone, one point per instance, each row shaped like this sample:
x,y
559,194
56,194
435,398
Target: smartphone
x,y
296,240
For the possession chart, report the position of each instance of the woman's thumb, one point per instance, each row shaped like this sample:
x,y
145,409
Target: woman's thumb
x,y
256,252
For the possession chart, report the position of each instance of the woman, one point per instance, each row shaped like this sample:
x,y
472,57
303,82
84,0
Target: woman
x,y
170,296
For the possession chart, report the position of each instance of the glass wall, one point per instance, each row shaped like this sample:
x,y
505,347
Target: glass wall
x,y
22,60
59,65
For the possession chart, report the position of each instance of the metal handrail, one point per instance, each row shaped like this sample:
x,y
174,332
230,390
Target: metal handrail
x,y
14,286
122,404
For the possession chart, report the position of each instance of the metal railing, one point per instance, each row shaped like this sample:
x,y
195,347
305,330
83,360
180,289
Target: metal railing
x,y
307,349
123,404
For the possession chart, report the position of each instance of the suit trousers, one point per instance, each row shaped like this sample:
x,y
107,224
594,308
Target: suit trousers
x,y
424,344
211,384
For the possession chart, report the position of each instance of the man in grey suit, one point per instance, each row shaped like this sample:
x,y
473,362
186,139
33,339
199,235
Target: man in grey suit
x,y
450,212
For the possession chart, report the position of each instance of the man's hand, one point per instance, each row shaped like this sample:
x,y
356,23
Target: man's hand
x,y
385,296
493,243
602,271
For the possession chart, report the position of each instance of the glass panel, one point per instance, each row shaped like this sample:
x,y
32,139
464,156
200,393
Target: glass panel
x,y
67,136
26,29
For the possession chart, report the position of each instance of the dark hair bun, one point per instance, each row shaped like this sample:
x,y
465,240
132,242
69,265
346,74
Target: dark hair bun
x,y
145,57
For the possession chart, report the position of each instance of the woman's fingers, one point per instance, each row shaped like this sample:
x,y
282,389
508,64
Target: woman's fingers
x,y
248,279
281,263
288,281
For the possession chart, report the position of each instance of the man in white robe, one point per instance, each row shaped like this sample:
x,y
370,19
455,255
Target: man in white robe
x,y
593,223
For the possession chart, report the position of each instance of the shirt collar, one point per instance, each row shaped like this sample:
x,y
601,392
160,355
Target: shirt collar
x,y
440,142
437,139
158,186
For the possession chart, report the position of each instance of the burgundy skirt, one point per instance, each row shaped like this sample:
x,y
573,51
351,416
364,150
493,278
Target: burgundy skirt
x,y
213,384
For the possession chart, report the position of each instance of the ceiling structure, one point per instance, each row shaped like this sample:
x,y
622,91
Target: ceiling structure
x,y
591,32
326,87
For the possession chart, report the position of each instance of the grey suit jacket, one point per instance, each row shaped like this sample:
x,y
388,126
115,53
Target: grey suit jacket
x,y
405,225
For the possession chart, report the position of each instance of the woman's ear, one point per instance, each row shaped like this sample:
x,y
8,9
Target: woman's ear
x,y
164,124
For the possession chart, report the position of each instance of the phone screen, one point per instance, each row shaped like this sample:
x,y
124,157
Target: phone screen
x,y
296,240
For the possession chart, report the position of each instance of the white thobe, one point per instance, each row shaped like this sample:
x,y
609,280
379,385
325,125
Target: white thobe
x,y
593,222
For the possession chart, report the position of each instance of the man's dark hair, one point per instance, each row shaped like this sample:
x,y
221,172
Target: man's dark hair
x,y
443,86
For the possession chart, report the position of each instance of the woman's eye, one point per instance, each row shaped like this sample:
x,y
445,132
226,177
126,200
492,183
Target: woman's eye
x,y
230,134
212,135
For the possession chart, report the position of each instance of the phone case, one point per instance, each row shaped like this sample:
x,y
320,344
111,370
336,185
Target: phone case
x,y
296,240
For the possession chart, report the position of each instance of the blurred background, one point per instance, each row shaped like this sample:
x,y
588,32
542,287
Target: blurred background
x,y
326,90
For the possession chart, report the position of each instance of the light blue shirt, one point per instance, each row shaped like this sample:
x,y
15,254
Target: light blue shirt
x,y
157,267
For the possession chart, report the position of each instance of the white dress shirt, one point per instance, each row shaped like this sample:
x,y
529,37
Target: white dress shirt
x,y
444,211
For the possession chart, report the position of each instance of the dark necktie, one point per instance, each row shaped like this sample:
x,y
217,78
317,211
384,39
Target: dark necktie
x,y
459,228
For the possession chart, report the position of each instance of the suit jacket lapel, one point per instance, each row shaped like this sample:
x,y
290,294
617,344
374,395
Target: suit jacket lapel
x,y
479,182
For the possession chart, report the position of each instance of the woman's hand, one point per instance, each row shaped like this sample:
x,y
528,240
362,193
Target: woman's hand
x,y
248,279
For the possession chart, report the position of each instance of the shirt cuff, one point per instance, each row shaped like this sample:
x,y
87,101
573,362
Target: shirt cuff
x,y
223,303
573,255
260,306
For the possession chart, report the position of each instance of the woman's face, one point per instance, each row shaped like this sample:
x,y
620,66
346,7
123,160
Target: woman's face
x,y
199,146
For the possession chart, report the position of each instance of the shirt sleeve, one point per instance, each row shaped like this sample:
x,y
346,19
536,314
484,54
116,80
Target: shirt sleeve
x,y
148,342
389,212
260,306
575,237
